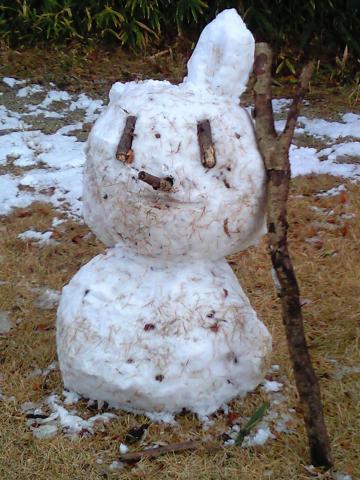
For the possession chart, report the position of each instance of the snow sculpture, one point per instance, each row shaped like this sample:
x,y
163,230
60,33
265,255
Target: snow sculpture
x,y
173,183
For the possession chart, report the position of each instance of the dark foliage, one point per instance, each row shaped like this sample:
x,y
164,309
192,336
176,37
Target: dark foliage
x,y
320,26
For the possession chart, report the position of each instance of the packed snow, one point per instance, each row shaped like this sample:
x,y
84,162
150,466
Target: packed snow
x,y
177,321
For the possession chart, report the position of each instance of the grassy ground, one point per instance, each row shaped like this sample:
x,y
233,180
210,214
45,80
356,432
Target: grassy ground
x,y
325,245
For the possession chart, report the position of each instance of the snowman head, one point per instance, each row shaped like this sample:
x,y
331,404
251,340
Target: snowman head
x,y
173,170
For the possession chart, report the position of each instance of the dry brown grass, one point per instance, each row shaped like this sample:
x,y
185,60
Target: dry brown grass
x,y
328,274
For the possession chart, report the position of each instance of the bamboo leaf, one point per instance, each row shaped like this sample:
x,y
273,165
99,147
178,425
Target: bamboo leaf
x,y
254,420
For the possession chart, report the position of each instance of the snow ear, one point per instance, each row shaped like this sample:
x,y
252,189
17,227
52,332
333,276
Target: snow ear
x,y
224,55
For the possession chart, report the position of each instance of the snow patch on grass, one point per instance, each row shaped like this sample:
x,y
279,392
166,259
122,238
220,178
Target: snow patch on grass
x,y
42,238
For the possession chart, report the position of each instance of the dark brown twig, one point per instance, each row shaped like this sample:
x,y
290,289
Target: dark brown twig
x,y
124,151
207,149
164,184
275,153
171,448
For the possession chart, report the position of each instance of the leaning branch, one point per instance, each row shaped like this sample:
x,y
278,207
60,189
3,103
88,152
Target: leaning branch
x,y
275,153
293,113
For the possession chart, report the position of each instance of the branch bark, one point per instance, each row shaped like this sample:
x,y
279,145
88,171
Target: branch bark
x,y
164,184
207,149
124,151
275,152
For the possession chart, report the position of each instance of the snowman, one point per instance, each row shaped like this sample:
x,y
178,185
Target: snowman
x,y
173,183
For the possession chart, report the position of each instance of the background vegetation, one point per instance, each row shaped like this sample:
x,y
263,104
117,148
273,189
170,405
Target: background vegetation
x,y
321,25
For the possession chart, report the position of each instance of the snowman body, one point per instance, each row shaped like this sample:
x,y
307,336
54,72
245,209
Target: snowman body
x,y
159,322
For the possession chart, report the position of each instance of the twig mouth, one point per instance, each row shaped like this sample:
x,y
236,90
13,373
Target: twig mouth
x,y
164,184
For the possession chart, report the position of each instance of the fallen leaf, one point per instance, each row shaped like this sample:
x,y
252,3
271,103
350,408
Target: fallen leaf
x,y
43,327
344,230
77,238
56,235
342,197
232,417
24,214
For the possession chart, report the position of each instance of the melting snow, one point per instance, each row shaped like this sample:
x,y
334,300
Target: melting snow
x,y
261,436
348,127
42,238
305,160
29,90
60,419
11,82
59,155
271,386
123,448
280,104
42,371
5,323
10,120
342,476
116,465
47,299
70,397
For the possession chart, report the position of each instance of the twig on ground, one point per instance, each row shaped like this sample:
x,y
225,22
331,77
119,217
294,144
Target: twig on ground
x,y
171,448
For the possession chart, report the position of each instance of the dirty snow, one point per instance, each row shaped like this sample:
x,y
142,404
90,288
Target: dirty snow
x,y
116,465
47,299
123,448
56,159
29,90
5,323
42,238
60,419
11,82
271,386
70,397
342,476
261,436
42,372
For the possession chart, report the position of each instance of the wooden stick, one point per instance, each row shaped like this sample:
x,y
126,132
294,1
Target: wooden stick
x,y
164,184
293,113
171,448
207,149
124,152
275,153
